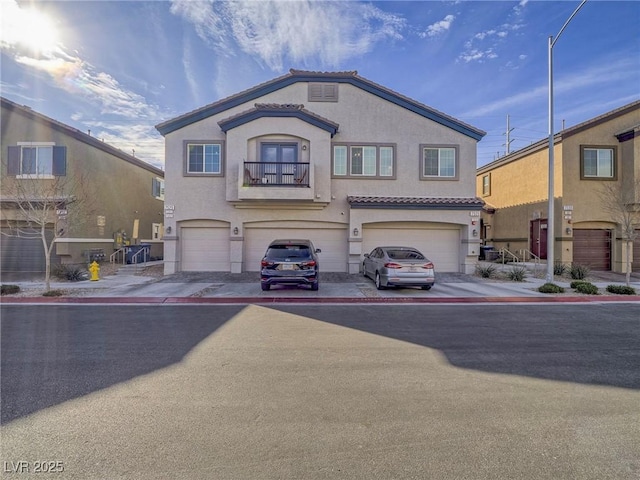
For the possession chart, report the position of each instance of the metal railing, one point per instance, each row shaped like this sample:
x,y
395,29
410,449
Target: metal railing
x,y
504,253
528,255
136,256
114,255
276,174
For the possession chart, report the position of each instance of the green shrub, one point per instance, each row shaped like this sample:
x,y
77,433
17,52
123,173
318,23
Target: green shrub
x,y
517,274
579,272
9,289
53,293
486,271
575,283
559,269
587,288
621,289
550,288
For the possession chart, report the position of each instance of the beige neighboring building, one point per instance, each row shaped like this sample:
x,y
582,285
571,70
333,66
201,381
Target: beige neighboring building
x,y
587,156
331,157
122,193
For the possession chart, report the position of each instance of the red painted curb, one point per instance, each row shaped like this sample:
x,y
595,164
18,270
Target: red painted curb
x,y
270,300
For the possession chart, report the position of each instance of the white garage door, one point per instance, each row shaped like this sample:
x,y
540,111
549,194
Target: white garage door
x,y
332,241
205,249
440,245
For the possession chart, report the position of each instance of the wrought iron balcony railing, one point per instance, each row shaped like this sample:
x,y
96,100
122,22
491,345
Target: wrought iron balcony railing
x,y
276,174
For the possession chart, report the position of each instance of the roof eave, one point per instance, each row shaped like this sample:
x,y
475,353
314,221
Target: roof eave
x,y
298,76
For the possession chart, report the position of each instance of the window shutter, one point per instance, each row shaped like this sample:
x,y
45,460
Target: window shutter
x,y
323,92
60,161
155,187
13,165
315,92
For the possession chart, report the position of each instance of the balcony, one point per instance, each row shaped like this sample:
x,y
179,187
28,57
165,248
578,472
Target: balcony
x,y
276,174
281,181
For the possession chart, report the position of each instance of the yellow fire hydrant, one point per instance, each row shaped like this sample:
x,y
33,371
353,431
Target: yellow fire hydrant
x,y
94,268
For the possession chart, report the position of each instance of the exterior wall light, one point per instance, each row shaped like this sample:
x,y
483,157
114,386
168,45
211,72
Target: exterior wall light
x,y
474,232
168,229
356,232
235,230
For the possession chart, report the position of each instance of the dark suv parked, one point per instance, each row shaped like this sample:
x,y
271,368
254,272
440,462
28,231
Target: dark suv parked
x,y
290,262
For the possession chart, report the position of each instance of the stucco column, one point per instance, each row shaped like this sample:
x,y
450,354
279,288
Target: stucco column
x,y
355,246
236,248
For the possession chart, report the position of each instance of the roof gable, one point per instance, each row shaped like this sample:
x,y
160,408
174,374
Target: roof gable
x,y
271,110
77,135
295,76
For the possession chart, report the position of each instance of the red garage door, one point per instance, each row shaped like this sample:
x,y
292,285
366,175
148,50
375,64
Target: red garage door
x,y
592,248
635,265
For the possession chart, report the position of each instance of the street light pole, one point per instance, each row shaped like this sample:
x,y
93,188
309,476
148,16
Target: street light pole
x,y
551,210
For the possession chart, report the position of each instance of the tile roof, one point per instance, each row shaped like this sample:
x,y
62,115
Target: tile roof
x,y
295,76
468,203
78,135
278,110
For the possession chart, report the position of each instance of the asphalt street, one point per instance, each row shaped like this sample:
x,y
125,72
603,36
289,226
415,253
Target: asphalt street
x,y
321,391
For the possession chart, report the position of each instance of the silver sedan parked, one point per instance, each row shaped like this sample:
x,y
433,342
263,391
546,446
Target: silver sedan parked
x,y
398,266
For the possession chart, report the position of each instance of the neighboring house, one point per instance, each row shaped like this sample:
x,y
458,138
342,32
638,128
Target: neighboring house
x,y
587,156
120,193
330,157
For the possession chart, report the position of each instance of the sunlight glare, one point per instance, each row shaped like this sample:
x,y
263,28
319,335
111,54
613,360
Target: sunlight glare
x,y
37,32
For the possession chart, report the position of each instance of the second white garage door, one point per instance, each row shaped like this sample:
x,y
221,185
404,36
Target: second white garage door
x,y
205,249
439,243
332,241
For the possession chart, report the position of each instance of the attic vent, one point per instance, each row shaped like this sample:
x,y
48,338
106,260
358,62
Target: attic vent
x,y
323,92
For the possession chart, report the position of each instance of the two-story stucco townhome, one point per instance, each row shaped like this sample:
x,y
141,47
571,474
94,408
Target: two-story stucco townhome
x,y
331,157
91,197
603,151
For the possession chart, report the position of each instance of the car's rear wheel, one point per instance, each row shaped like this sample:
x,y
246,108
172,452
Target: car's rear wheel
x,y
265,286
426,287
379,285
315,285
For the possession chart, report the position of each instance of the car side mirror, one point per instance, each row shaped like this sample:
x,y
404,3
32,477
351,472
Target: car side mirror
x,y
366,255
318,250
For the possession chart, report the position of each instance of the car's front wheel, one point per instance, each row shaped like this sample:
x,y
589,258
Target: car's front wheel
x,y
379,285
315,285
426,287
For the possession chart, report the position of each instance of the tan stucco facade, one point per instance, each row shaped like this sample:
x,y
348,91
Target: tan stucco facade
x,y
518,188
117,187
361,118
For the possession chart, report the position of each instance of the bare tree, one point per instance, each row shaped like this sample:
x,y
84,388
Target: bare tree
x,y
43,208
622,202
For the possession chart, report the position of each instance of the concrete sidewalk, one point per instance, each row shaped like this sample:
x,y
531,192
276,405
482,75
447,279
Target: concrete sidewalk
x,y
219,287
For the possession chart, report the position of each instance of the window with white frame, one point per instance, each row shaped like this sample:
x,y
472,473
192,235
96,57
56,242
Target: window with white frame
x,y
364,161
486,184
156,231
439,162
157,188
598,163
204,158
36,159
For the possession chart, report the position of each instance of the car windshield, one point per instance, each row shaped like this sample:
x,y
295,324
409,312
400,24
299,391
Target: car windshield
x,y
405,255
280,252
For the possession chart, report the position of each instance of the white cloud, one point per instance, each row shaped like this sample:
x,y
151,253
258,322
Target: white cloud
x,y
440,27
279,32
471,55
130,113
590,77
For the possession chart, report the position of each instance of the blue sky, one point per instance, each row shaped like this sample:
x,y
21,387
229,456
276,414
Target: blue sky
x,y
119,68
